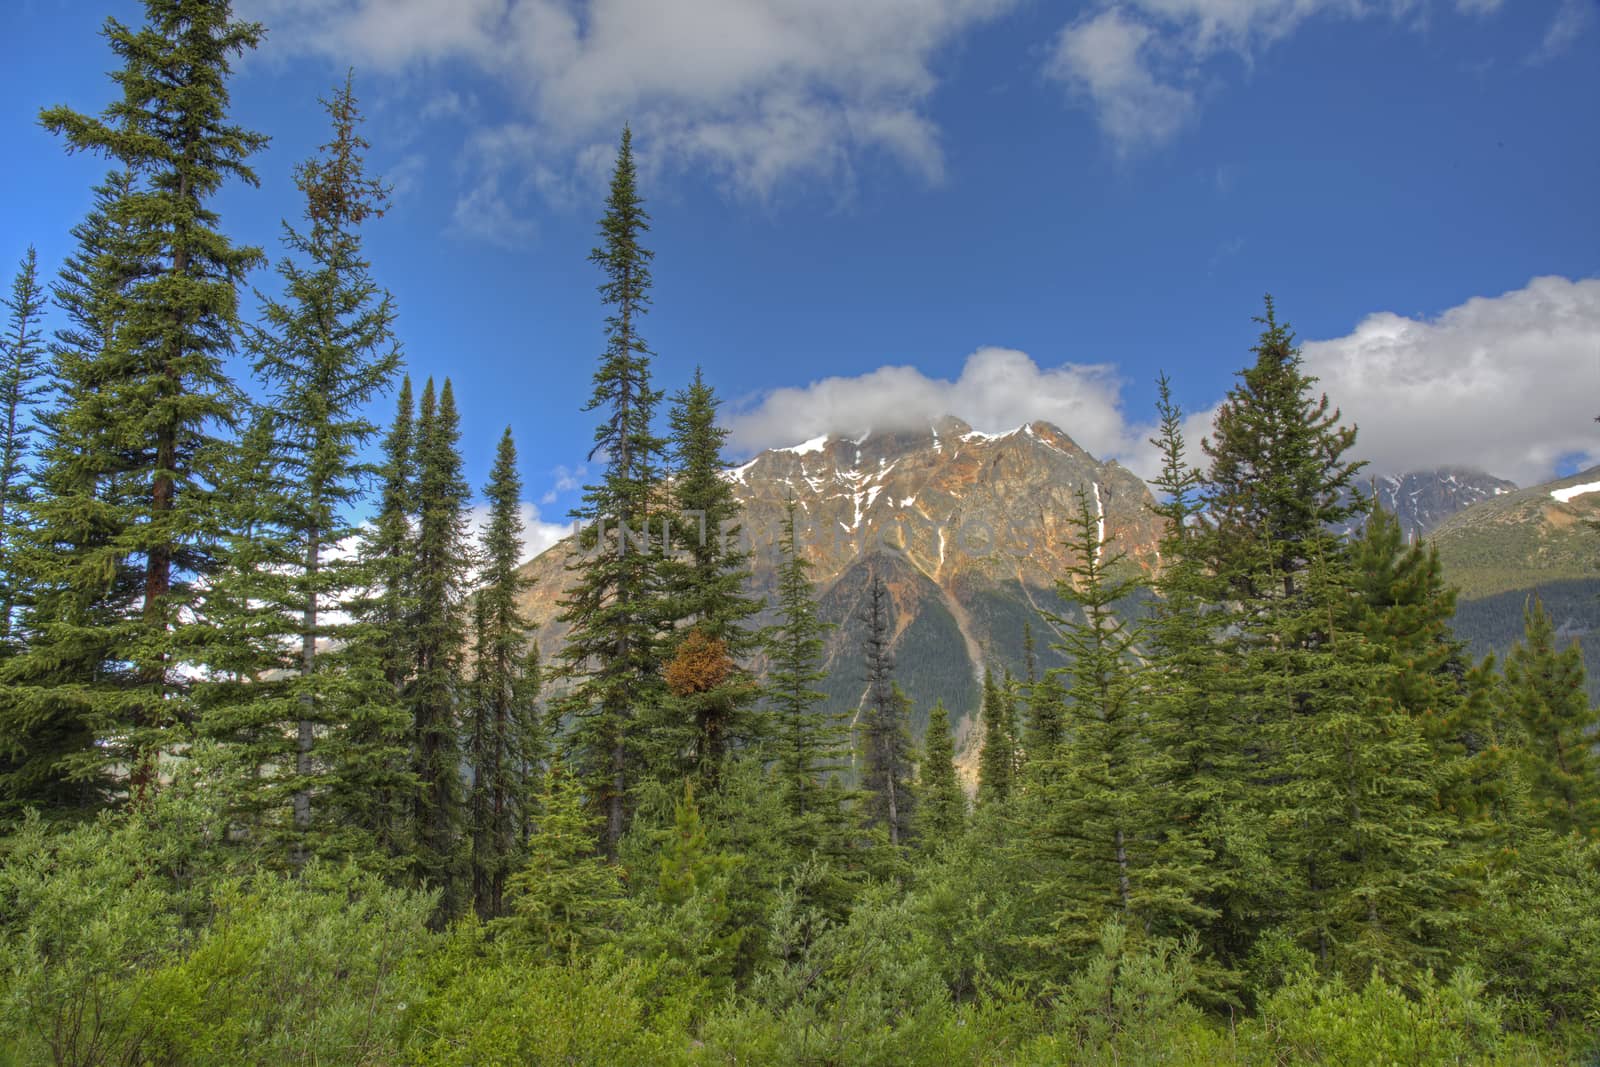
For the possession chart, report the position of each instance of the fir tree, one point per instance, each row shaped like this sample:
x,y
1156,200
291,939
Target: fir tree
x,y
49,755
942,806
997,762
614,607
443,557
1193,718
388,548
1279,478
22,370
885,714
503,721
138,451
712,709
1107,835
1546,694
809,741
565,900
323,353
1046,729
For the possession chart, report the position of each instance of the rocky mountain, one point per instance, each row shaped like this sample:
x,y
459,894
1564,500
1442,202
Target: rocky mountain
x,y
967,529
1421,500
1542,541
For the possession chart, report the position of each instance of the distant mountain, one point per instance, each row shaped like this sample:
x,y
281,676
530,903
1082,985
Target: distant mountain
x,y
1421,500
967,529
1541,540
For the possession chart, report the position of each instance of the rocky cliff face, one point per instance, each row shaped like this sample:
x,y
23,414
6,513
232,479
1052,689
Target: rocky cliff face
x,y
966,528
1421,500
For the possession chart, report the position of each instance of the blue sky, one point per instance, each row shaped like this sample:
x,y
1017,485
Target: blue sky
x,y
1021,209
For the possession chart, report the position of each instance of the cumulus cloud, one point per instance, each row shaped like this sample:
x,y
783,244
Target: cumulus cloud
x,y
754,91
1505,384
998,389
537,534
1137,64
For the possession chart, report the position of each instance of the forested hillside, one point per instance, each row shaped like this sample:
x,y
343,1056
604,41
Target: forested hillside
x,y
288,776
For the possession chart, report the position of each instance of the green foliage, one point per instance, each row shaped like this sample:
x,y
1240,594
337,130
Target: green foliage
x,y
942,806
126,535
565,900
505,737
885,725
997,764
1546,694
22,370
615,606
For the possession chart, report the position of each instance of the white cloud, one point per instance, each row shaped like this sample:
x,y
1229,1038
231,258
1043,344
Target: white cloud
x,y
566,480
998,389
1137,64
537,535
753,91
1572,19
1506,384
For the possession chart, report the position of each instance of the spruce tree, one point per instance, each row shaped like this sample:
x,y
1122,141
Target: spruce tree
x,y
388,548
130,524
323,353
564,900
712,709
1545,692
614,607
49,740
809,741
997,761
1107,836
442,563
1193,719
503,720
1046,729
1279,476
22,371
942,806
885,718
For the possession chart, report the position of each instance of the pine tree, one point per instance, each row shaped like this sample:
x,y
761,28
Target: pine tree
x,y
713,707
942,806
614,607
885,715
1106,832
503,720
130,525
322,354
1546,694
442,562
810,742
997,762
22,370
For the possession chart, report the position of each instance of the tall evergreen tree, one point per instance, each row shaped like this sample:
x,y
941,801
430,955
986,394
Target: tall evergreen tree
x,y
503,720
22,370
159,392
712,708
1193,716
810,741
388,548
614,607
442,564
885,717
49,751
942,806
1279,476
997,762
1107,834
1546,693
323,353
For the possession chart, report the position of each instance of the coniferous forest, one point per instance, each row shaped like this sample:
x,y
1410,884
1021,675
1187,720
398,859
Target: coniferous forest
x,y
284,779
